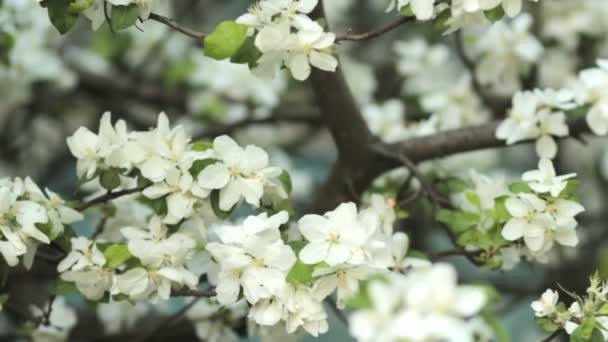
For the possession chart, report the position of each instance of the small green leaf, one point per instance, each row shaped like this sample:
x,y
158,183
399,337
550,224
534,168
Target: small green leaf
x,y
63,287
285,179
202,145
247,54
7,42
456,184
60,15
495,14
110,179
4,298
225,40
500,212
200,165
440,21
77,6
406,11
603,310
124,16
547,324
495,324
116,255
520,187
473,198
300,273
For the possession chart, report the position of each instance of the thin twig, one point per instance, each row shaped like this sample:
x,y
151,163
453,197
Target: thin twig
x,y
176,26
553,336
108,197
374,33
497,107
194,293
454,252
169,322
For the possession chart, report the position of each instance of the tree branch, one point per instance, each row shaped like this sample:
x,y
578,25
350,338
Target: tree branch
x,y
193,293
176,26
108,197
374,33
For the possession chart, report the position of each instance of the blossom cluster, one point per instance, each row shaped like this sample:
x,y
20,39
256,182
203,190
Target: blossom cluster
x,y
424,304
461,12
542,114
176,173
505,222
286,36
288,281
29,218
585,318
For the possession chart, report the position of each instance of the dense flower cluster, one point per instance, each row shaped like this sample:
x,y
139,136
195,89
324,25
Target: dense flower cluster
x,y
425,304
285,35
30,217
584,318
541,114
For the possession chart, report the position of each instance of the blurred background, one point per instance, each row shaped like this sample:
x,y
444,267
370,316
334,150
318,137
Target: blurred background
x,y
410,82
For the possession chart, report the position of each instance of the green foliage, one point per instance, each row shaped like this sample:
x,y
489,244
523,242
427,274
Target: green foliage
x,y
200,165
124,16
110,179
60,14
116,255
202,145
546,324
584,332
247,54
602,264
458,220
7,42
520,187
495,14
77,6
440,21
285,179
225,40
63,287
455,184
497,326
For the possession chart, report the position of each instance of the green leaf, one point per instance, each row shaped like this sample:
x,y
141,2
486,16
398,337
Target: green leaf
x,y
406,11
4,298
495,14
202,145
110,179
77,6
124,16
247,54
200,165
285,179
63,287
117,255
473,198
440,21
225,40
60,15
458,220
300,273
584,331
500,212
597,336
456,184
603,310
520,187
7,42
495,324
602,264
215,205
547,324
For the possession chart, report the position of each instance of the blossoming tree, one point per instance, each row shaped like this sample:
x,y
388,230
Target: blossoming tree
x,y
200,223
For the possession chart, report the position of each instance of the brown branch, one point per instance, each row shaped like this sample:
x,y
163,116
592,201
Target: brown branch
x,y
374,33
466,139
108,197
169,322
454,252
193,293
176,26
